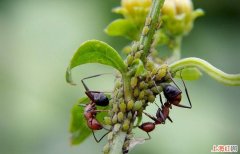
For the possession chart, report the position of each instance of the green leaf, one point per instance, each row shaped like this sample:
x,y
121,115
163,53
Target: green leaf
x,y
189,74
123,27
94,51
78,124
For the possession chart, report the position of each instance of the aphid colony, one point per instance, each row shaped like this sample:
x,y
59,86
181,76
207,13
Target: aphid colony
x,y
173,96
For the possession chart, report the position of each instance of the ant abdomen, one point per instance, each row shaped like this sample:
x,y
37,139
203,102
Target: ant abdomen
x,y
147,126
94,124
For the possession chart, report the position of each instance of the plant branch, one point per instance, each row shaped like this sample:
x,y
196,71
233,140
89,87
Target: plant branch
x,y
217,74
153,21
118,143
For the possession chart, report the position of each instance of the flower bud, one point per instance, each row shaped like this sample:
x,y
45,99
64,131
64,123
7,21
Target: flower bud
x,y
178,16
136,10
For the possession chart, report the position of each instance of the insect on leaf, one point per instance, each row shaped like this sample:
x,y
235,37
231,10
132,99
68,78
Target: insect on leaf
x,y
94,51
78,125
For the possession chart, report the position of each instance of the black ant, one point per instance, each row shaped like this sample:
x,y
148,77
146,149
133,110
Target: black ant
x,y
173,96
90,110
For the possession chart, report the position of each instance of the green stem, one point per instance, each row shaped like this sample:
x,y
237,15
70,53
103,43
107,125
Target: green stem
x,y
116,147
118,141
228,79
146,39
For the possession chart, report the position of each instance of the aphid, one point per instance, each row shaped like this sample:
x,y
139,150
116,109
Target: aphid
x,y
148,21
90,110
145,30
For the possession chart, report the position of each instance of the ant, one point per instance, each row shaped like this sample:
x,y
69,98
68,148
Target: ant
x,y
90,110
173,96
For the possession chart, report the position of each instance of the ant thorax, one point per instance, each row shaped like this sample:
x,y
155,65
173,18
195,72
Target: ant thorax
x,y
89,111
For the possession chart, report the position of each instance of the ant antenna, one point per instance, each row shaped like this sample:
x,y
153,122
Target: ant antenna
x,y
160,97
186,91
93,76
173,80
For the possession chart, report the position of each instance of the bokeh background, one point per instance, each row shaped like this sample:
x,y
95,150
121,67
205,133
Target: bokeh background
x,y
37,40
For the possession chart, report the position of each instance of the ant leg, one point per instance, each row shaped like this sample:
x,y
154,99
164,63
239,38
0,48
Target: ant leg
x,y
160,97
186,91
169,118
100,138
183,106
85,86
151,117
101,110
82,105
149,137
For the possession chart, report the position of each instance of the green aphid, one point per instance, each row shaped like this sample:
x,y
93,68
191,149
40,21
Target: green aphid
x,y
134,81
120,116
130,105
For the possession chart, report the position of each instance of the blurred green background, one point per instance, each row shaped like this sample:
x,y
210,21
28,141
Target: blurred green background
x,y
37,40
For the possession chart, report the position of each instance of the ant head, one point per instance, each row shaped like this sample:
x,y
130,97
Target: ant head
x,y
101,99
172,94
98,98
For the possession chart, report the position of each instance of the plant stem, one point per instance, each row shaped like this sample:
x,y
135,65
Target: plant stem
x,y
215,73
118,141
146,39
116,147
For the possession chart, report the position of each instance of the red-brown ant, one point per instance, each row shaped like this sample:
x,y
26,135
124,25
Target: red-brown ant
x,y
173,96
90,110
161,116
